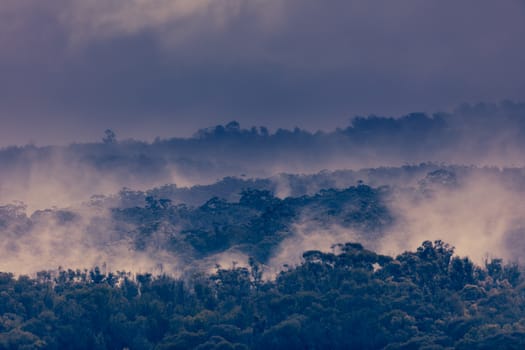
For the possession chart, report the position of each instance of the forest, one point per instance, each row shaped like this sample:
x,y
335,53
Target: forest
x,y
417,256
352,298
262,174
229,278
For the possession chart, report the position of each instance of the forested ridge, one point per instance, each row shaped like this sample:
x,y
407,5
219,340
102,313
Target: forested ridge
x,y
222,273
262,174
352,298
254,225
486,134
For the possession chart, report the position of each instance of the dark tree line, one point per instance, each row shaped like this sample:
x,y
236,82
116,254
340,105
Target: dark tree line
x,y
351,299
255,223
479,131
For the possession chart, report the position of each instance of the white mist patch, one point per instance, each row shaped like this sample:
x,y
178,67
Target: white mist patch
x,y
182,181
282,186
53,181
308,236
74,239
50,178
477,218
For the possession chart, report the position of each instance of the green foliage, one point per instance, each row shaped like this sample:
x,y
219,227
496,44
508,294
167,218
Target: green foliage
x,y
355,299
255,224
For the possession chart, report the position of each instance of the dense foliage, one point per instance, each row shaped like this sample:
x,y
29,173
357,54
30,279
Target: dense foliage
x,y
352,298
253,225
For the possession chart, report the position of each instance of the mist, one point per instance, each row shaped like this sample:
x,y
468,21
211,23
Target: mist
x,y
80,238
41,177
456,176
481,216
478,210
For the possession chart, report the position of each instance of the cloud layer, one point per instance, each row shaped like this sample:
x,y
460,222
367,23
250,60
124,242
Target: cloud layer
x,y
72,68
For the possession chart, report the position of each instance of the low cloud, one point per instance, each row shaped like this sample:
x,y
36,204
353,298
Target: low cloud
x,y
307,235
105,19
71,67
482,217
80,238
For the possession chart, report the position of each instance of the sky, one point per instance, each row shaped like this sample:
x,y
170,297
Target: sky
x,y
69,69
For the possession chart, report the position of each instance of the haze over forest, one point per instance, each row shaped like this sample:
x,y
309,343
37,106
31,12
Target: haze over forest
x,y
184,229
454,176
253,174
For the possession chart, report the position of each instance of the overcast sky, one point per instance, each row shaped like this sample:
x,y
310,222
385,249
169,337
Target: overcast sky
x,y
69,69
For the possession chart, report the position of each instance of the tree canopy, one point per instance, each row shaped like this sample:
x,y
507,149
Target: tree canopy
x,y
352,299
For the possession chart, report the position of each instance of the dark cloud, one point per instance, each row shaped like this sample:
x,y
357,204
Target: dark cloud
x,y
70,69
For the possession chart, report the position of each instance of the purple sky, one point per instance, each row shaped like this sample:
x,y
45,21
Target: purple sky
x,y
69,69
